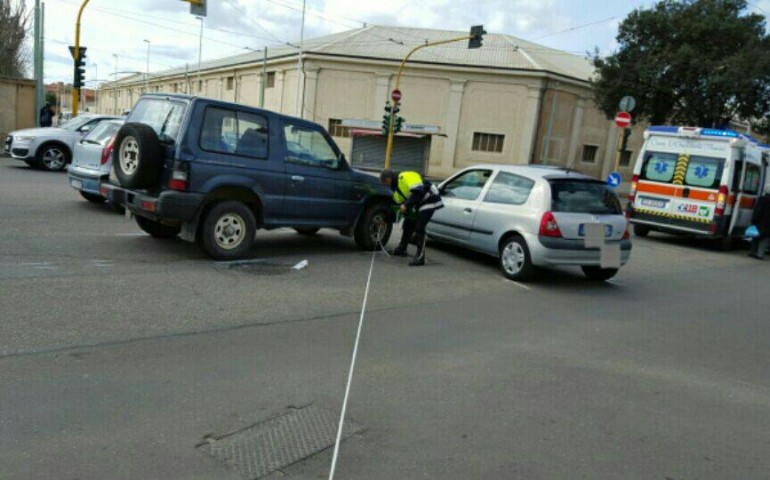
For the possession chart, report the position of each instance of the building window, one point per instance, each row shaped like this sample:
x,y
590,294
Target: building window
x,y
589,153
200,85
625,158
488,142
230,81
337,130
270,80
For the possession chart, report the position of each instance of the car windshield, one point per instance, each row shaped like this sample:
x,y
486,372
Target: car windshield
x,y
102,132
164,116
584,196
76,123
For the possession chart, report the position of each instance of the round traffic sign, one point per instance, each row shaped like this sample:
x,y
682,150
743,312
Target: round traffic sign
x,y
614,179
623,119
396,95
627,104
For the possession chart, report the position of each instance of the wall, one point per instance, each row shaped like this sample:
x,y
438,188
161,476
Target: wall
x,y
17,105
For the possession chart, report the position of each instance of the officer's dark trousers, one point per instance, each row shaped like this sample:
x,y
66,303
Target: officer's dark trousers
x,y
415,227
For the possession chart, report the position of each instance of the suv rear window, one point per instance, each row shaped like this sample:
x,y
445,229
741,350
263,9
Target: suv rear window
x,y
584,196
164,116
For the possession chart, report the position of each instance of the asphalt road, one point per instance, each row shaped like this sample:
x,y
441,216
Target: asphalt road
x,y
119,354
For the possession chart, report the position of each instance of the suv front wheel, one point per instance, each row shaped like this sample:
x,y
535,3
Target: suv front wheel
x,y
228,231
374,228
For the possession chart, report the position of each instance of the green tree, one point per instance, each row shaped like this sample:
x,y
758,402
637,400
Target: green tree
x,y
690,62
14,28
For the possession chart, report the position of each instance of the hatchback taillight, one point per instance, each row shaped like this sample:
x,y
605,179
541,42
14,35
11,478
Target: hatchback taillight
x,y
721,201
548,226
180,176
107,150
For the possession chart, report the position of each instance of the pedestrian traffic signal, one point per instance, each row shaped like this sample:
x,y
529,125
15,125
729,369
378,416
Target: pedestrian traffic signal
x,y
626,134
477,36
80,70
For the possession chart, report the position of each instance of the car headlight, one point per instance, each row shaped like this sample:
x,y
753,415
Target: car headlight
x,y
23,139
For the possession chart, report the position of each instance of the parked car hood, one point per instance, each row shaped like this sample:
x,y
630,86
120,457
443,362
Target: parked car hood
x,y
40,132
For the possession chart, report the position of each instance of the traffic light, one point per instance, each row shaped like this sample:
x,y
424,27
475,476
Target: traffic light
x,y
477,36
626,134
386,118
398,124
80,70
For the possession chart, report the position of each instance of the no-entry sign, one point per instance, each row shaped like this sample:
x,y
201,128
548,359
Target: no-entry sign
x,y
396,95
623,119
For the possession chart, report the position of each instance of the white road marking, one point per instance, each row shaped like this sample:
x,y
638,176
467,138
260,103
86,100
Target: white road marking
x,y
301,265
520,285
34,264
350,373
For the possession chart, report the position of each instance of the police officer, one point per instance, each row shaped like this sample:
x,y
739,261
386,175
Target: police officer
x,y
761,218
418,199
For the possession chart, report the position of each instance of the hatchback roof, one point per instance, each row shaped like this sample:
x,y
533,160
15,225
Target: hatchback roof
x,y
537,171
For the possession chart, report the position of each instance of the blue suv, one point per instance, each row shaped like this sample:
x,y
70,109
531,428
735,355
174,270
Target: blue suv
x,y
215,172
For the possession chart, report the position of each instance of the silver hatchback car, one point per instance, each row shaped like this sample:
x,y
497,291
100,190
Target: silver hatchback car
x,y
534,216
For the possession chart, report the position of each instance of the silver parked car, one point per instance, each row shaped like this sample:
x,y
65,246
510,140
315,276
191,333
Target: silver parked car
x,y
531,216
50,148
92,160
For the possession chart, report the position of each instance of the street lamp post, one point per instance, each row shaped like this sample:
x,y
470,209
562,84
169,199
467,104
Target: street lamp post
x,y
115,86
96,89
147,70
200,54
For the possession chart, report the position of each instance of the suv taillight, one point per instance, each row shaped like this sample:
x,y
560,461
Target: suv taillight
x,y
107,150
548,226
180,176
721,201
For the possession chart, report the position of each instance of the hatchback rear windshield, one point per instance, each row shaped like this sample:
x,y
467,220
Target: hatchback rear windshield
x,y
703,172
584,196
164,116
102,132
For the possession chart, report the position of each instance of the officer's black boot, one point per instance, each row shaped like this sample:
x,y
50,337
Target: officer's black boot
x,y
400,250
419,259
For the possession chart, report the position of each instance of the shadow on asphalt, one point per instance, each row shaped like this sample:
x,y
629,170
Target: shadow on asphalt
x,y
690,242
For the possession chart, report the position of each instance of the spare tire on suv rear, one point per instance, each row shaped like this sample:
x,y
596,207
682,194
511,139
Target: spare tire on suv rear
x,y
138,156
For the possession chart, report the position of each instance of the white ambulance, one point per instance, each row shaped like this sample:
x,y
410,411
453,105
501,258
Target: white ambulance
x,y
697,181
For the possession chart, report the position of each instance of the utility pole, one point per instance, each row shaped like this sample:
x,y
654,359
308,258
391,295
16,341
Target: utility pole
x,y
300,93
76,56
96,88
38,63
264,80
200,55
547,146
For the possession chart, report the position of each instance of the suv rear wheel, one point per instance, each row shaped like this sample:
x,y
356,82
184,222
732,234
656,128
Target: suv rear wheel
x,y
228,231
138,156
515,260
374,228
157,229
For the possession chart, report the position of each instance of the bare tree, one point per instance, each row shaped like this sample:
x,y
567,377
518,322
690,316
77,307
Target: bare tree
x,y
14,28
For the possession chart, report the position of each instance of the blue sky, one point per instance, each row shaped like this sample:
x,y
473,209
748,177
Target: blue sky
x,y
232,26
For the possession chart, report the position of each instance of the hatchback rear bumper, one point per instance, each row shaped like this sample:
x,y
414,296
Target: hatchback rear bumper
x,y
551,252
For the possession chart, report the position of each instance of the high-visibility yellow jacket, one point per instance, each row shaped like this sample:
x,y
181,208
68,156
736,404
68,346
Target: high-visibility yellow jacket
x,y
406,182
411,190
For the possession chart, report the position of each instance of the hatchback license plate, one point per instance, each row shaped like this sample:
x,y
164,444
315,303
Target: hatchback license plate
x,y
607,230
76,184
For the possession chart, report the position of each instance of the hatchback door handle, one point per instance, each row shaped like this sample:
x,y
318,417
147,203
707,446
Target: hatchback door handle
x,y
468,210
297,179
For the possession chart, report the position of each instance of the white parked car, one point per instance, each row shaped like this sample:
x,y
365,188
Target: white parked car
x,y
532,216
92,160
50,148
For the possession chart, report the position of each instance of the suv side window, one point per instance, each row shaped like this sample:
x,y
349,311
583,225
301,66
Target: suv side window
x,y
308,147
467,186
234,133
509,189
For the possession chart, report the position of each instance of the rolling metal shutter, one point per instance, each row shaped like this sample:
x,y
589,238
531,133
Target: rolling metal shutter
x,y
368,152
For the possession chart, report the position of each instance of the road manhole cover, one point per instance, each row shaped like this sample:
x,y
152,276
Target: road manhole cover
x,y
276,443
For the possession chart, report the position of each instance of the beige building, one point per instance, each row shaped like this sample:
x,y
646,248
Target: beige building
x,y
511,102
17,105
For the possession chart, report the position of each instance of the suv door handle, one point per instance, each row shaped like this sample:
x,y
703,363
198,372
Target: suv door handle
x,y
297,178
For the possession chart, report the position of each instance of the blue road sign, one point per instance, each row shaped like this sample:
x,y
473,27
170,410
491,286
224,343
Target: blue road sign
x,y
614,179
